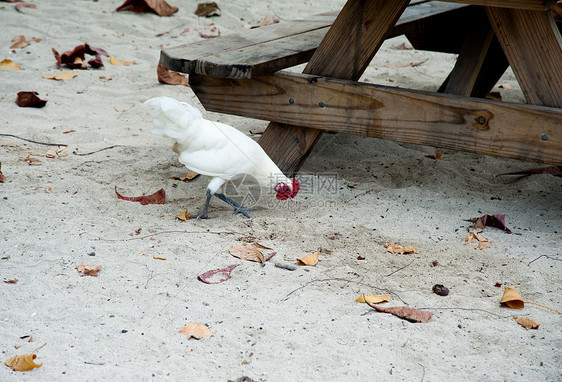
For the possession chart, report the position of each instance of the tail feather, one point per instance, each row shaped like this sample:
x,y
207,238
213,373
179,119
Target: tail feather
x,y
173,118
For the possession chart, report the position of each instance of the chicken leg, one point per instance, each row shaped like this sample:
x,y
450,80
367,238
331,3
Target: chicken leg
x,y
238,209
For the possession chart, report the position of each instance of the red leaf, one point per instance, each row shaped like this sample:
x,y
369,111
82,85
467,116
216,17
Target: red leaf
x,y
74,59
157,198
497,221
217,276
405,312
160,7
29,99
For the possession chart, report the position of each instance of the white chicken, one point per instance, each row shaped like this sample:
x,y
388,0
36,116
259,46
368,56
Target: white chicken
x,y
217,150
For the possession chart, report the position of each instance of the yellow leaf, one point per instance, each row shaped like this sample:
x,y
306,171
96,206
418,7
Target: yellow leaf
x,y
527,322
61,76
23,362
184,215
196,330
373,299
398,249
309,260
113,61
512,298
158,258
9,64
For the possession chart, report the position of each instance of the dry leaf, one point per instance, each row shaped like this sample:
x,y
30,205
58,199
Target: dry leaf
x,y
29,99
435,156
474,235
24,5
61,76
2,176
23,362
158,258
88,270
20,42
398,249
497,221
373,299
250,252
208,10
527,322
184,215
512,298
309,260
160,7
159,197
12,281
113,61
217,276
405,312
268,20
74,59
196,330
9,64
169,77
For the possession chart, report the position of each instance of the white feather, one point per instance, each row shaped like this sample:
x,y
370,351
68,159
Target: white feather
x,y
212,148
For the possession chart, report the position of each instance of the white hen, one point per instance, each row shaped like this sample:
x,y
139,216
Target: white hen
x,y
217,150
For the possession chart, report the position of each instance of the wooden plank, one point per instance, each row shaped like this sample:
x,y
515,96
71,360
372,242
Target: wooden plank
x,y
535,5
533,45
525,132
275,47
346,50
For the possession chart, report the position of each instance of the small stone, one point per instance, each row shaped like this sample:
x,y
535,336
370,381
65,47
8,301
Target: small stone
x,y
440,290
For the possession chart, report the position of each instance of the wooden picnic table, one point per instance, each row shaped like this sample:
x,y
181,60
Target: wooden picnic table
x,y
241,75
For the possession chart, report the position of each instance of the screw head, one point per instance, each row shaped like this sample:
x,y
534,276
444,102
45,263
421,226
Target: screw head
x,y
321,104
291,101
544,137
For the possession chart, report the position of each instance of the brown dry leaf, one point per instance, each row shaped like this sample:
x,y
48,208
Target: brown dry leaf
x,y
61,76
12,281
512,298
88,270
250,252
20,42
29,99
160,7
158,258
527,322
2,176
268,20
208,9
113,61
373,299
405,312
169,77
398,249
435,156
310,260
483,242
7,64
184,216
29,160
23,362
196,330
187,177
159,197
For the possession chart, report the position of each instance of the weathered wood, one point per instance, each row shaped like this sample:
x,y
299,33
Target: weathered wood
x,y
488,127
346,50
536,5
279,46
533,45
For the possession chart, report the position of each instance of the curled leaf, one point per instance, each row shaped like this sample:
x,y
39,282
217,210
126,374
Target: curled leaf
x,y
250,252
373,299
168,77
158,197
405,312
512,298
2,176
184,215
208,9
196,330
159,7
310,260
527,322
398,249
497,221
217,276
24,362
88,270
29,99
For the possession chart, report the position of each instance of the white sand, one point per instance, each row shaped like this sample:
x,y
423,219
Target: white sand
x,y
268,323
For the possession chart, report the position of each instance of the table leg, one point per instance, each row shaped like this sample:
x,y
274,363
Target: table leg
x,y
533,45
344,53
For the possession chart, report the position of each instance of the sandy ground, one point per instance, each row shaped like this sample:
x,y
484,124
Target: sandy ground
x,y
268,323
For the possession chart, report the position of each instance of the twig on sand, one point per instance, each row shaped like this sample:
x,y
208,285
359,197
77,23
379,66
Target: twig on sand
x,y
548,257
97,151
423,367
32,141
399,269
163,232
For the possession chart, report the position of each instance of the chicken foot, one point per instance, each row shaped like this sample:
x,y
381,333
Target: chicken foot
x,y
238,209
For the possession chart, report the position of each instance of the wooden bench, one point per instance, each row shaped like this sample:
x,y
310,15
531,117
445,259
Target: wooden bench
x,y
242,75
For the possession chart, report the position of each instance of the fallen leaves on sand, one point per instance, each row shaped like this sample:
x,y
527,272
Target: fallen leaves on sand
x,y
268,20
169,77
20,42
2,176
512,298
309,260
74,59
483,242
61,76
159,7
405,312
217,276
158,197
527,322
373,299
208,9
29,99
398,249
88,270
497,221
8,64
196,330
187,177
251,252
55,153
184,216
114,61
24,362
